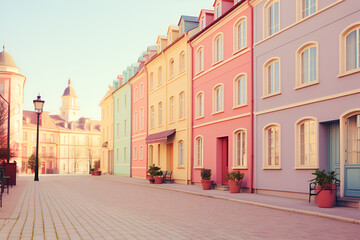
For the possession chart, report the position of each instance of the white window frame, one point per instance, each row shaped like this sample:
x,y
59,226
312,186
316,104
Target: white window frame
x,y
182,105
151,80
160,114
199,107
200,59
152,117
182,61
240,34
160,76
344,51
142,90
240,90
307,10
218,48
271,163
218,99
243,159
269,12
142,118
266,80
199,152
301,66
181,154
172,110
171,68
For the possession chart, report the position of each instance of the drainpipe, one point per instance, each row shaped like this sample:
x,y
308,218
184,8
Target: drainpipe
x,y
130,123
147,118
252,97
191,74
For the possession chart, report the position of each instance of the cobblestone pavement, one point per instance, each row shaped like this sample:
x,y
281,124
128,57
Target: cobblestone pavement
x,y
85,207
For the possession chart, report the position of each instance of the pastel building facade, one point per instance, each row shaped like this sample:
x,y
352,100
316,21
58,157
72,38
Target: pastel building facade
x,y
107,126
222,98
12,90
169,98
307,92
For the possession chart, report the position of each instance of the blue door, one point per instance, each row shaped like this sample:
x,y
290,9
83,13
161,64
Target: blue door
x,y
334,148
352,156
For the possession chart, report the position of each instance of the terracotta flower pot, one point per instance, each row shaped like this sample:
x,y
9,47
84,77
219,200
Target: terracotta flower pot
x,y
206,184
159,180
93,173
97,173
326,197
234,186
151,179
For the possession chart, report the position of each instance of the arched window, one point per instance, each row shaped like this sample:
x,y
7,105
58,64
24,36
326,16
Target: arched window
x,y
135,153
152,120
240,145
181,154
136,93
218,10
200,60
203,23
271,140
142,90
200,104
181,105
52,138
198,152
160,114
306,143
240,34
141,152
353,139
271,77
349,52
271,17
240,90
182,61
306,8
218,48
171,68
160,76
141,118
307,65
136,121
171,112
151,79
218,99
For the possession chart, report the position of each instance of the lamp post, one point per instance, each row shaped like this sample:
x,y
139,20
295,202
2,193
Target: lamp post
x,y
38,104
8,131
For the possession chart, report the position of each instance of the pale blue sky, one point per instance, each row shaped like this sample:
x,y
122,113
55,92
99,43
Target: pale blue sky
x,y
89,41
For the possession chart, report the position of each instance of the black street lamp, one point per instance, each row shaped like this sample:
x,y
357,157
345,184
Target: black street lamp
x,y
38,104
8,131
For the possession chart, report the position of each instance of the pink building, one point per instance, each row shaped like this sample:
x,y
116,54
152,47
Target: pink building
x,y
139,126
222,92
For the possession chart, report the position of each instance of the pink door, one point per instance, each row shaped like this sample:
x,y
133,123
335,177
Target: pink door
x,y
225,162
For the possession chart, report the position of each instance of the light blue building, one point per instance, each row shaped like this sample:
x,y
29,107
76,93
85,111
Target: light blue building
x,y
122,122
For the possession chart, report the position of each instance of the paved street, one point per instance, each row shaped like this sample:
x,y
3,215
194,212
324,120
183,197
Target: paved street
x,y
85,207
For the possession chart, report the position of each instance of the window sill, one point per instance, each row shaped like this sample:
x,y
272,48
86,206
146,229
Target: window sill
x,y
306,85
199,167
306,168
344,74
238,168
200,117
271,168
214,113
201,71
270,95
180,168
239,50
239,106
218,62
172,122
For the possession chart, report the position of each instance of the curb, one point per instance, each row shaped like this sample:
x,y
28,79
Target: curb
x,y
292,210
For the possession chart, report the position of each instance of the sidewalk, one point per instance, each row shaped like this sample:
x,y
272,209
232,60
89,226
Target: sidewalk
x,y
344,214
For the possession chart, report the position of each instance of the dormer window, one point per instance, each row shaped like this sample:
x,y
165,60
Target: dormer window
x,y
203,23
218,10
170,39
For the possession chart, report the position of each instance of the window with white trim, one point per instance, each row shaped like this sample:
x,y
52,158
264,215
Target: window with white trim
x,y
203,24
141,152
218,96
200,104
136,93
182,61
200,60
308,7
272,77
240,35
307,66
152,120
171,112
218,10
136,119
160,76
351,49
171,68
218,48
271,154
181,154
142,90
240,90
306,149
353,139
181,105
151,80
135,153
142,118
240,160
272,17
160,114
198,152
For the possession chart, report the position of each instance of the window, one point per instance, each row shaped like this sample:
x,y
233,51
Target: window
x,y
271,148
136,93
218,49
125,157
118,105
271,17
136,117
142,118
200,60
198,152
141,152
52,138
136,153
181,154
24,151
43,137
118,130
141,90
160,76
43,151
171,68
308,7
240,90
125,96
218,99
272,77
181,105
353,139
307,65
306,140
24,136
350,49
218,10
200,104
117,155
151,79
203,24
182,61
240,145
171,112
160,114
151,155
240,35
152,120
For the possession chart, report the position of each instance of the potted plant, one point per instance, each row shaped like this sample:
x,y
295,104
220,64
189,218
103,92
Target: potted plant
x,y
151,173
158,177
97,167
92,170
326,187
205,179
234,178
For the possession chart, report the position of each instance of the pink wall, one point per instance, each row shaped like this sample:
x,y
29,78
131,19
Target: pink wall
x,y
224,73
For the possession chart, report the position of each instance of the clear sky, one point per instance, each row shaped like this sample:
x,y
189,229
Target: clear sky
x,y
88,41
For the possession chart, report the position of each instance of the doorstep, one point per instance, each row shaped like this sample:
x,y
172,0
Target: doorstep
x,y
351,202
221,187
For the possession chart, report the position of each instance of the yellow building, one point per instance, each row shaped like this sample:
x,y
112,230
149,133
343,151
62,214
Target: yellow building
x,y
107,124
169,104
